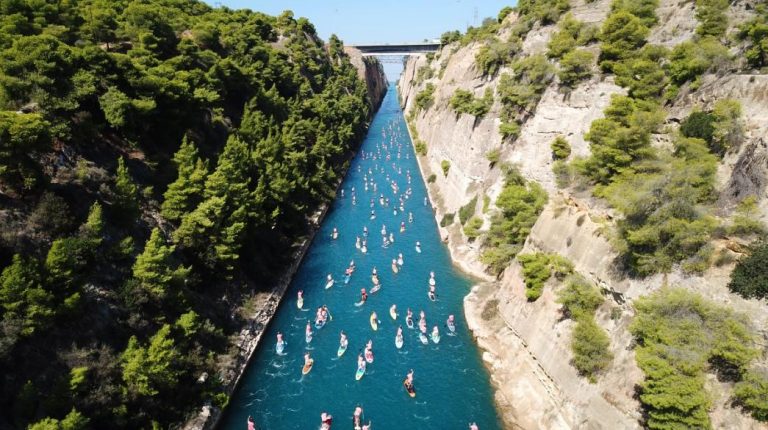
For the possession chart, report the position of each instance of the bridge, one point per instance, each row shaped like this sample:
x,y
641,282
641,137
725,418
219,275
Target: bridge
x,y
398,49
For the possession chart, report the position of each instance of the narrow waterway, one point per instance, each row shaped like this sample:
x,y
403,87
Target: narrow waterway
x,y
452,386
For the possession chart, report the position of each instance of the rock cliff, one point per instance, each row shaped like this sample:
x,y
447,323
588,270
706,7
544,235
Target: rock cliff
x,y
372,72
526,344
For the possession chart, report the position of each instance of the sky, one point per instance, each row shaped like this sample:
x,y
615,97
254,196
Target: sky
x,y
383,21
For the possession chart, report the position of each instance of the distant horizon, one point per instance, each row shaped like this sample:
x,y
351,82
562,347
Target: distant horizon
x,y
358,23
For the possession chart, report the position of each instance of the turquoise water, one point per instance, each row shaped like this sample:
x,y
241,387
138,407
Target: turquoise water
x,y
452,386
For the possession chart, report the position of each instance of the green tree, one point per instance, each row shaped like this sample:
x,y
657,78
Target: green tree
x,y
622,34
22,297
185,193
752,393
712,17
73,421
154,266
755,32
575,66
125,193
561,149
590,344
149,370
65,260
21,137
728,125
749,279
580,298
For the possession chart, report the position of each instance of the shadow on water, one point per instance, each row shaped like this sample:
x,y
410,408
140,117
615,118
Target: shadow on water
x,y
452,386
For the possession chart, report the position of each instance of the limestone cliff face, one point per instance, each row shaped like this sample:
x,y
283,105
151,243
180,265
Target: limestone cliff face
x,y
526,345
372,72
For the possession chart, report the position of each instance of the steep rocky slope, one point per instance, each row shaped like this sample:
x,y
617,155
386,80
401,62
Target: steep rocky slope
x,y
526,344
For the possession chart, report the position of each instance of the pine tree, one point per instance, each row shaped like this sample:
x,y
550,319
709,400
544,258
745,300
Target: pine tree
x,y
148,370
231,178
64,261
126,202
185,193
22,297
153,267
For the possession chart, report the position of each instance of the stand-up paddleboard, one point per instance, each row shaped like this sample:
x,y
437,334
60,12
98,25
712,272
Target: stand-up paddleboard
x,y
409,323
423,338
375,288
364,249
319,325
399,341
342,349
374,323
280,347
394,268
308,337
435,337
329,284
432,297
360,303
368,357
418,249
346,279
451,327
300,303
409,388
307,367
393,313
359,374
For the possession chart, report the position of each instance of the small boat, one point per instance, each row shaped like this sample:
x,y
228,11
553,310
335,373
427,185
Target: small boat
x,y
307,367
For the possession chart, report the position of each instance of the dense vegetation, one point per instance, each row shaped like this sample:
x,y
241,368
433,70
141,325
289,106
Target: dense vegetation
x,y
520,203
749,278
681,336
589,343
463,101
122,263
538,268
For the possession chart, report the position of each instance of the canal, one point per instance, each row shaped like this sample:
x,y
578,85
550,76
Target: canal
x,y
452,386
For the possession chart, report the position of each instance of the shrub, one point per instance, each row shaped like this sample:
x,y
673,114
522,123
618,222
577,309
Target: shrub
x,y
432,178
450,37
546,11
689,60
622,34
509,130
746,220
575,66
421,147
520,204
579,298
560,148
446,166
678,333
468,210
752,393
663,222
447,220
425,97
571,33
462,101
754,32
425,72
645,10
728,125
590,344
538,268
520,94
699,125
493,156
492,56
503,13
643,75
486,203
712,17
472,229
750,279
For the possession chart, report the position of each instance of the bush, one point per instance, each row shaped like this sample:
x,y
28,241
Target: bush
x,y
752,394
622,35
486,203
447,219
728,126
468,210
546,11
520,94
643,75
538,268
432,178
645,10
712,17
560,148
663,221
746,220
520,204
425,97
678,334
425,72
754,32
509,130
575,66
493,156
421,147
450,37
750,279
590,344
571,33
579,298
446,166
699,125
472,229
494,55
462,101
503,13
689,60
